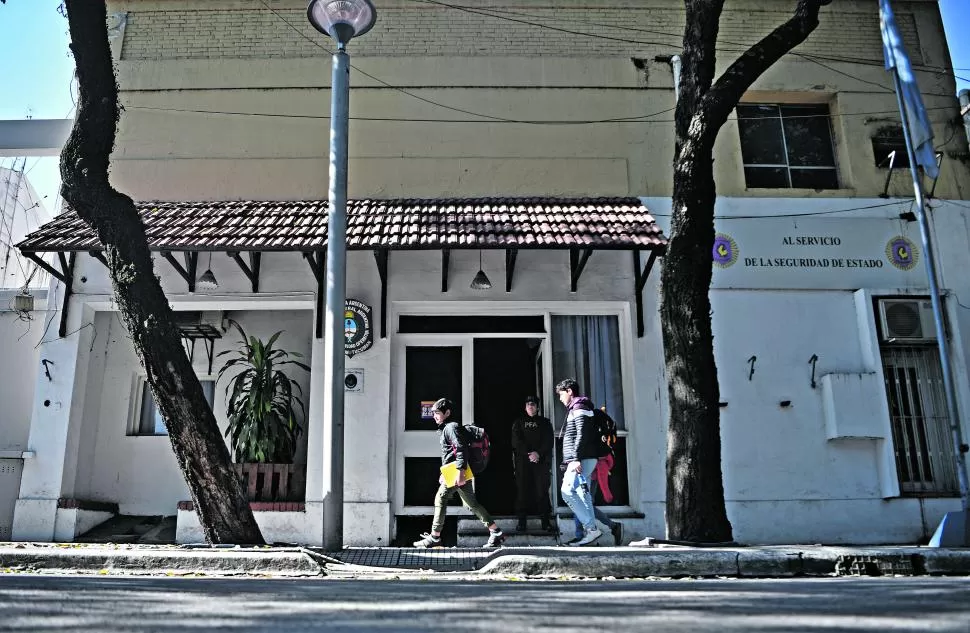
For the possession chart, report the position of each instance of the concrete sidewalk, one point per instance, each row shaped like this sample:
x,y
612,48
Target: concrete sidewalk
x,y
659,562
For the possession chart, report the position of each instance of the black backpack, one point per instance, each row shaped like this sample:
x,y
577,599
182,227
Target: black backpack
x,y
606,429
476,447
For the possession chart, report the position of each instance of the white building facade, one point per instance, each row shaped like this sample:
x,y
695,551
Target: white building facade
x,y
833,429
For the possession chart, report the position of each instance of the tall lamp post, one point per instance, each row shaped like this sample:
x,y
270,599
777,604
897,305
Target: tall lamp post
x,y
341,20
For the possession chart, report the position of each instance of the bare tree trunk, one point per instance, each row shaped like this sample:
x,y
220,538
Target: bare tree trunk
x,y
200,450
695,490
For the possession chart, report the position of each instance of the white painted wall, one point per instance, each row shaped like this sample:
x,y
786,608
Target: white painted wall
x,y
788,476
140,472
19,340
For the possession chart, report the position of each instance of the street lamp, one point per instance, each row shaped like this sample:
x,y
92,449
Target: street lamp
x,y
341,20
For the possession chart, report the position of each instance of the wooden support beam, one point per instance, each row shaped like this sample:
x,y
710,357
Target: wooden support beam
x,y
639,282
56,274
510,255
445,263
577,262
316,262
98,255
187,272
68,264
318,268
252,270
381,257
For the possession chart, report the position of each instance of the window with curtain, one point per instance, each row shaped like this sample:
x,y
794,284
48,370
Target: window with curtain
x,y
587,348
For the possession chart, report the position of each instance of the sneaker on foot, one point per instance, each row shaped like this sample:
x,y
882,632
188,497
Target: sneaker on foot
x,y
617,530
428,540
575,539
589,537
495,539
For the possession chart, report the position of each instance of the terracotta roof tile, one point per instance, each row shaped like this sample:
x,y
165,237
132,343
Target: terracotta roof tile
x,y
618,223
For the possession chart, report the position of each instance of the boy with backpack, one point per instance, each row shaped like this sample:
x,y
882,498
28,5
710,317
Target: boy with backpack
x,y
456,446
606,430
581,448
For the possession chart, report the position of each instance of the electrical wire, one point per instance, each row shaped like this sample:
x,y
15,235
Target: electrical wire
x,y
797,215
647,118
505,15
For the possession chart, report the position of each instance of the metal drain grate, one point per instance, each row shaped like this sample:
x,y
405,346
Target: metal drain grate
x,y
437,559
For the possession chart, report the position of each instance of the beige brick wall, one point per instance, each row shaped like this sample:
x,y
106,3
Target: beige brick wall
x,y
157,30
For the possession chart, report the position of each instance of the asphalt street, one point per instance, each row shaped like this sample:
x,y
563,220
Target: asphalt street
x,y
109,604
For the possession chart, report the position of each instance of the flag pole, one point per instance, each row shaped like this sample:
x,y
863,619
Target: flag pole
x,y
956,432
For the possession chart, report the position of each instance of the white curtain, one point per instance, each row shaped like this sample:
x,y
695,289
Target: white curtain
x,y
587,348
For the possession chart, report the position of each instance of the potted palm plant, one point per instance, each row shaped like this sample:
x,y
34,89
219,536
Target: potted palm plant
x,y
261,400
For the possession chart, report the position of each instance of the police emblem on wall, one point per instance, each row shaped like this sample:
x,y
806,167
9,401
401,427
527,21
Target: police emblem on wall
x,y
358,333
725,251
902,253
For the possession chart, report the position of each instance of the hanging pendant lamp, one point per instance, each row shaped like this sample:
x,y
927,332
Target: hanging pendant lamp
x,y
207,281
481,281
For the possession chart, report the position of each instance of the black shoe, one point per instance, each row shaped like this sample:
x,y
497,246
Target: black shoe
x,y
549,527
617,531
522,526
495,539
575,539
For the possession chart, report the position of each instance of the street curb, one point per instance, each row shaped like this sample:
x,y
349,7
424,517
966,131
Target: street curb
x,y
746,563
216,562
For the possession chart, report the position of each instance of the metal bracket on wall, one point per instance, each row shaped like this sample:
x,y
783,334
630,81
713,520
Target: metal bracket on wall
x,y
752,361
639,282
812,361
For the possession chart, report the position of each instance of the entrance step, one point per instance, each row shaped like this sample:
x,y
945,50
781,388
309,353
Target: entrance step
x,y
471,533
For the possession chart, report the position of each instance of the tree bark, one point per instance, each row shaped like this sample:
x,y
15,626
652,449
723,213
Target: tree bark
x,y
696,509
201,453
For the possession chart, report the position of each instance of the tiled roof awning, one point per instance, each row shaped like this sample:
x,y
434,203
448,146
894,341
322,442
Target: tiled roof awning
x,y
406,224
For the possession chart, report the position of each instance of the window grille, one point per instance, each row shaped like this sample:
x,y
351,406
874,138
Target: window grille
x,y
920,424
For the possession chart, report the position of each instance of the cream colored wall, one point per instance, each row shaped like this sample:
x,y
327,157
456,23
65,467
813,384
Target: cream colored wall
x,y
238,57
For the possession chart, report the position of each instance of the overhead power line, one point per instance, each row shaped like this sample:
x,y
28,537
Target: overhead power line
x,y
647,118
508,15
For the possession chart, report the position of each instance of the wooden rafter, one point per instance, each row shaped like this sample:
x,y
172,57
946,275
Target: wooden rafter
x,y
445,264
510,256
252,269
639,282
381,256
188,271
577,262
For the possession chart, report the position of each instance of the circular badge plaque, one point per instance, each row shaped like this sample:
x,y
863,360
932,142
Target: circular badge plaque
x,y
725,251
358,333
902,253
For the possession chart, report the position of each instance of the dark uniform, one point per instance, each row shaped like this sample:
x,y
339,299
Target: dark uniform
x,y
532,479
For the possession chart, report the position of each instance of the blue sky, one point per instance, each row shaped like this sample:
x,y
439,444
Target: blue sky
x,y
37,68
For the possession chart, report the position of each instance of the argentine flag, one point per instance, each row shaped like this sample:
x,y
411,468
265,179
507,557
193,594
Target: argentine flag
x,y
920,131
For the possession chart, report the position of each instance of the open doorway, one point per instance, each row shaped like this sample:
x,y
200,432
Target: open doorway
x,y
505,374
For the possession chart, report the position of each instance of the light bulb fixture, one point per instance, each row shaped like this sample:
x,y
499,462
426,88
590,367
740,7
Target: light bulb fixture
x,y
480,282
341,19
207,281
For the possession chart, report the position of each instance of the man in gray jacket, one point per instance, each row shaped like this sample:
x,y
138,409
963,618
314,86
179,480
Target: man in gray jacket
x,y
581,447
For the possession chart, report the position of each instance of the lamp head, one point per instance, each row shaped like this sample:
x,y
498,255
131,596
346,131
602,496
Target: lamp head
x,y
341,19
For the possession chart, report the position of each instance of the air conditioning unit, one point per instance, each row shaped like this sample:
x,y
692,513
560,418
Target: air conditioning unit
x,y
907,320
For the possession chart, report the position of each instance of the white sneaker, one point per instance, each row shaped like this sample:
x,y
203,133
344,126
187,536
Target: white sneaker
x,y
590,536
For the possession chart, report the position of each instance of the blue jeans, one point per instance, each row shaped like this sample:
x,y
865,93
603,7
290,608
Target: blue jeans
x,y
597,513
576,493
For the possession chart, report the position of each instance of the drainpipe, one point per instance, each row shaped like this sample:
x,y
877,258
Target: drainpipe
x,y
675,64
965,110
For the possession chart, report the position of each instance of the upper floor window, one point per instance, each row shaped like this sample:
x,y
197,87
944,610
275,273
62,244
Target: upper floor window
x,y
787,146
